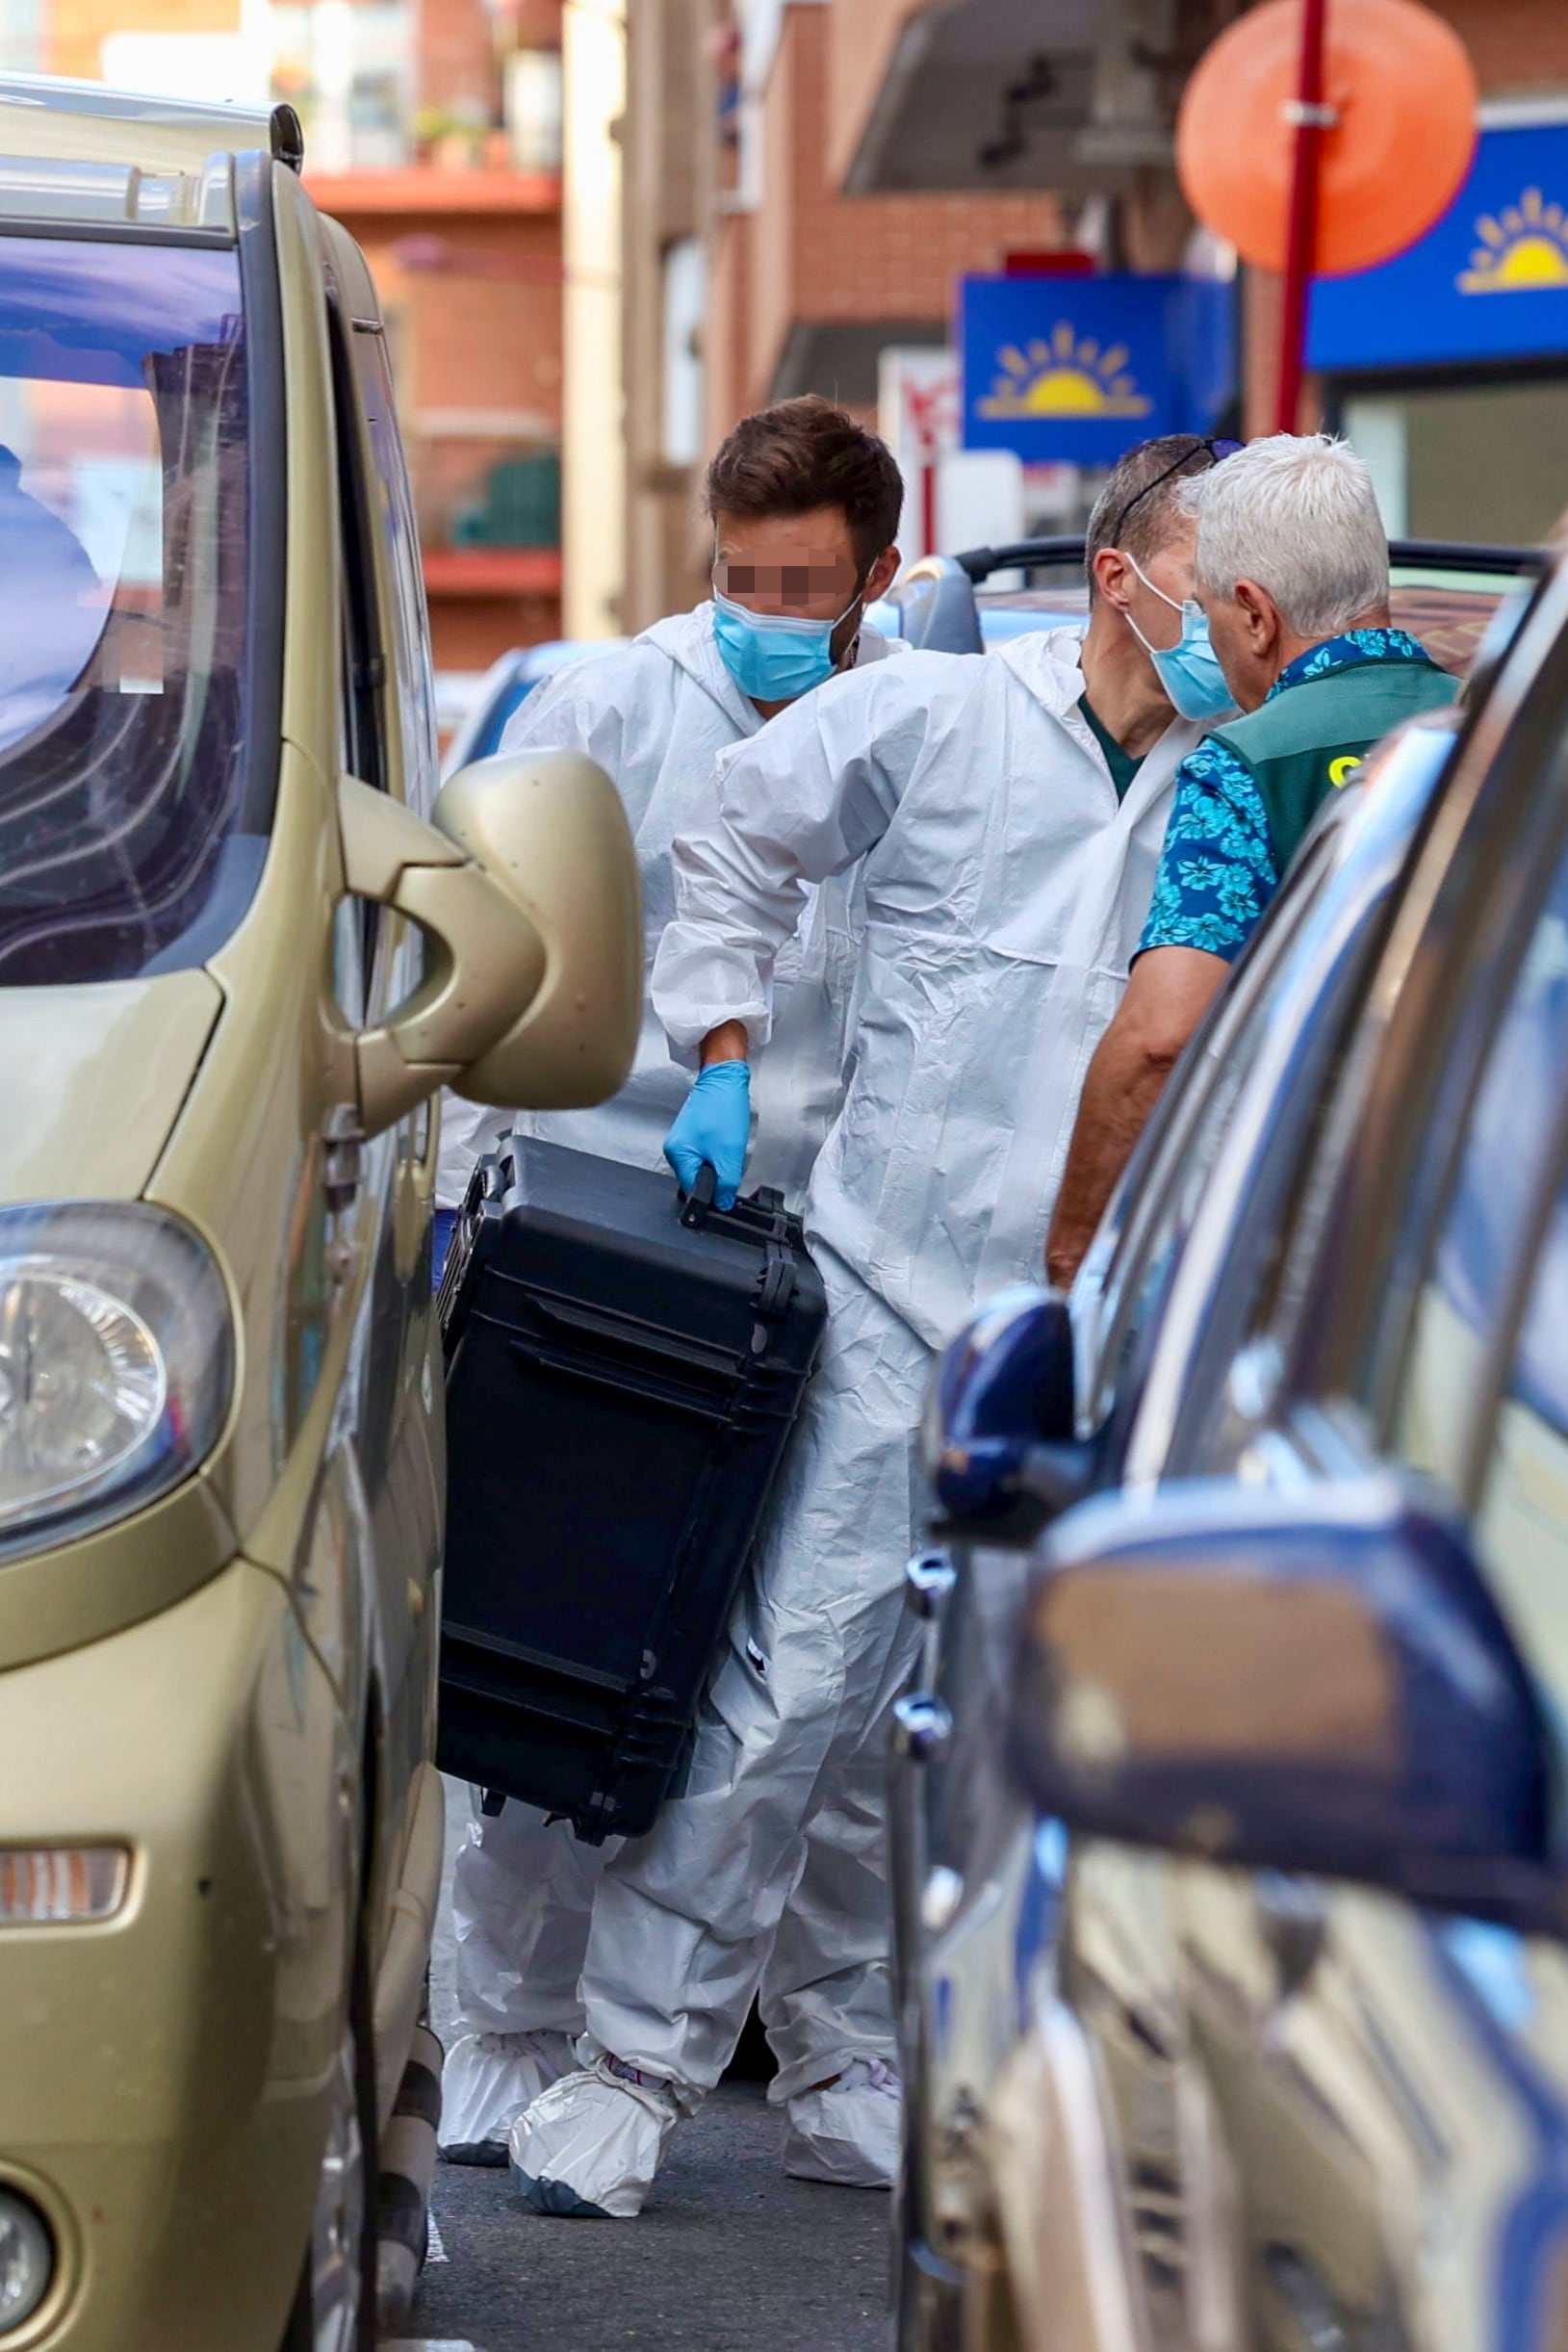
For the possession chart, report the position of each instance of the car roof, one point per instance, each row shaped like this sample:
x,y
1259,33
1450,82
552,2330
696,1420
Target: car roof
x,y
1444,592
83,156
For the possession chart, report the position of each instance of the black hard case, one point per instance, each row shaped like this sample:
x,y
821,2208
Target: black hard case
x,y
623,1373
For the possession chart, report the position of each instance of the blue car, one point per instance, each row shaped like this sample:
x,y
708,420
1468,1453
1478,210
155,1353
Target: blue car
x,y
1230,1859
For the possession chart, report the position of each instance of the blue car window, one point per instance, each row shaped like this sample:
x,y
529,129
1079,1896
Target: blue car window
x,y
1471,1287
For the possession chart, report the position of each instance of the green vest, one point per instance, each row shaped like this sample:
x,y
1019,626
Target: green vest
x,y
1306,742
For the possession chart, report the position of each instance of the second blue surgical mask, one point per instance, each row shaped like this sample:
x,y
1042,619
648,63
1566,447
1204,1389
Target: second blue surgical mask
x,y
774,657
1188,670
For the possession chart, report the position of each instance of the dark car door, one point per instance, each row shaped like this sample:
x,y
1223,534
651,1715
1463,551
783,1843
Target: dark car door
x,y
1392,2089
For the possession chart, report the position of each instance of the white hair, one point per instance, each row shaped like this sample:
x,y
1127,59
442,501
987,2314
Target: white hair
x,y
1296,513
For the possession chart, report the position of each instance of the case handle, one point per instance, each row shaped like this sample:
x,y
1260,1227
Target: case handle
x,y
696,1203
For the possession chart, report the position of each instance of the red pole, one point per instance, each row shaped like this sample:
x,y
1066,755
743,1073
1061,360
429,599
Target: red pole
x,y
1311,117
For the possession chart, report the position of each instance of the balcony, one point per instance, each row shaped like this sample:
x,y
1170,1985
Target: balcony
x,y
489,506
426,189
492,571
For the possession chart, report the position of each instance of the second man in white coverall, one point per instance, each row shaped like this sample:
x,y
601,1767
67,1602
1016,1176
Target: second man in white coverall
x,y
805,507
1003,815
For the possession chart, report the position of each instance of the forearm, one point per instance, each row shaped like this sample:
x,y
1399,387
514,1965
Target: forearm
x,y
727,1042
1125,1083
1168,995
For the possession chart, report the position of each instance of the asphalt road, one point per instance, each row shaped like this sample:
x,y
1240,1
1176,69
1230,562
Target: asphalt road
x,y
728,2256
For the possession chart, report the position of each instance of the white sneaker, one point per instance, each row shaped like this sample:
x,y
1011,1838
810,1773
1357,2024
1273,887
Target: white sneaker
x,y
487,2082
847,2133
590,2145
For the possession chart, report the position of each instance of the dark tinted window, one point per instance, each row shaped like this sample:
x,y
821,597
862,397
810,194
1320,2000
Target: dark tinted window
x,y
1305,1106
123,486
363,743
1539,1379
1472,1290
1522,1517
392,508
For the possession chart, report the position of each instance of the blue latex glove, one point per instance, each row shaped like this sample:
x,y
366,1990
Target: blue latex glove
x,y
715,1126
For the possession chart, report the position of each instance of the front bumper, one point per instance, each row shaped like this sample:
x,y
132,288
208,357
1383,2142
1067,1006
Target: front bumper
x,y
166,2076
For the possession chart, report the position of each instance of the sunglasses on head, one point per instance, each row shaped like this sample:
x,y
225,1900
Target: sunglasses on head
x,y
1218,452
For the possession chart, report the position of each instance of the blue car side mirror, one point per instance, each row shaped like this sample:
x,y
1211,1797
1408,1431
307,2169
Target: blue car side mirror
x,y
1002,1408
1318,1684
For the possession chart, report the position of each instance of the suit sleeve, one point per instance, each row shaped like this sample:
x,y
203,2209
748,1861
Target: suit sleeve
x,y
578,709
805,799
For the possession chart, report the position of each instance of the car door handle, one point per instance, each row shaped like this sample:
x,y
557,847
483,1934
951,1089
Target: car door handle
x,y
928,1581
342,1156
922,1728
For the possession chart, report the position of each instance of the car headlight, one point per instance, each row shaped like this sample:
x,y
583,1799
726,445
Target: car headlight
x,y
116,1364
27,2260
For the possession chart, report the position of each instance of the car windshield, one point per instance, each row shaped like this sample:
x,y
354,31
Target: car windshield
x,y
123,406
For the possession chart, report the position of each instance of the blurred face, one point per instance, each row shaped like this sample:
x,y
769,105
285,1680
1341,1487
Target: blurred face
x,y
798,566
801,565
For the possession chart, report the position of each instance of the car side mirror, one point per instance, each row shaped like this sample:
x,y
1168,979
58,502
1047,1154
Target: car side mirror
x,y
1316,1684
526,889
551,828
1000,1446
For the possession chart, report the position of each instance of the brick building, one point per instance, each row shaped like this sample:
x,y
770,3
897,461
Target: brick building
x,y
807,179
465,239
1467,446
434,130
793,284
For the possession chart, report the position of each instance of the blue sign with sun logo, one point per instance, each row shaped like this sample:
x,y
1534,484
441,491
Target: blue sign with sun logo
x,y
1076,369
1490,281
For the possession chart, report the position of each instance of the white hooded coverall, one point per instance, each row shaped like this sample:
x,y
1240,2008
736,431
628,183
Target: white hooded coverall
x,y
1004,888
655,715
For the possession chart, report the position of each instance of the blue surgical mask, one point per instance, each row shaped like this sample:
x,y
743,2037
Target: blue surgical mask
x,y
1189,671
774,657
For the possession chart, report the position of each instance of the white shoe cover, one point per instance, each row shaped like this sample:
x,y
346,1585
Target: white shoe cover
x,y
487,2082
590,2145
847,2133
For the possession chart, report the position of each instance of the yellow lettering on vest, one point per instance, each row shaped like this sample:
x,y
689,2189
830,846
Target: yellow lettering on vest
x,y
1340,771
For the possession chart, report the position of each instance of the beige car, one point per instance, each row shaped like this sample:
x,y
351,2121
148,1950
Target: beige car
x,y
242,946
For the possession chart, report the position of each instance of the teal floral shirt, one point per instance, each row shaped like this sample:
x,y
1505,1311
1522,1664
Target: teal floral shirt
x,y
1217,870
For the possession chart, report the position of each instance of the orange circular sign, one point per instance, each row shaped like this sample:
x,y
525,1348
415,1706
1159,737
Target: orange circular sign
x,y
1402,93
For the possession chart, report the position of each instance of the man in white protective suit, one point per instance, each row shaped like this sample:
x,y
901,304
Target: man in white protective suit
x,y
805,507
1003,815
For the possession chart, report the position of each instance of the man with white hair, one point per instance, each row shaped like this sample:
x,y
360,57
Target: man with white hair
x,y
1292,572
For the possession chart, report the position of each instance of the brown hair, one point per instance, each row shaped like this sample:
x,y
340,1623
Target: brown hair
x,y
805,454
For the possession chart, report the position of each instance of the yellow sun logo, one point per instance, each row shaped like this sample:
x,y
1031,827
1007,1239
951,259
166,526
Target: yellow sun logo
x,y
1064,378
1521,252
